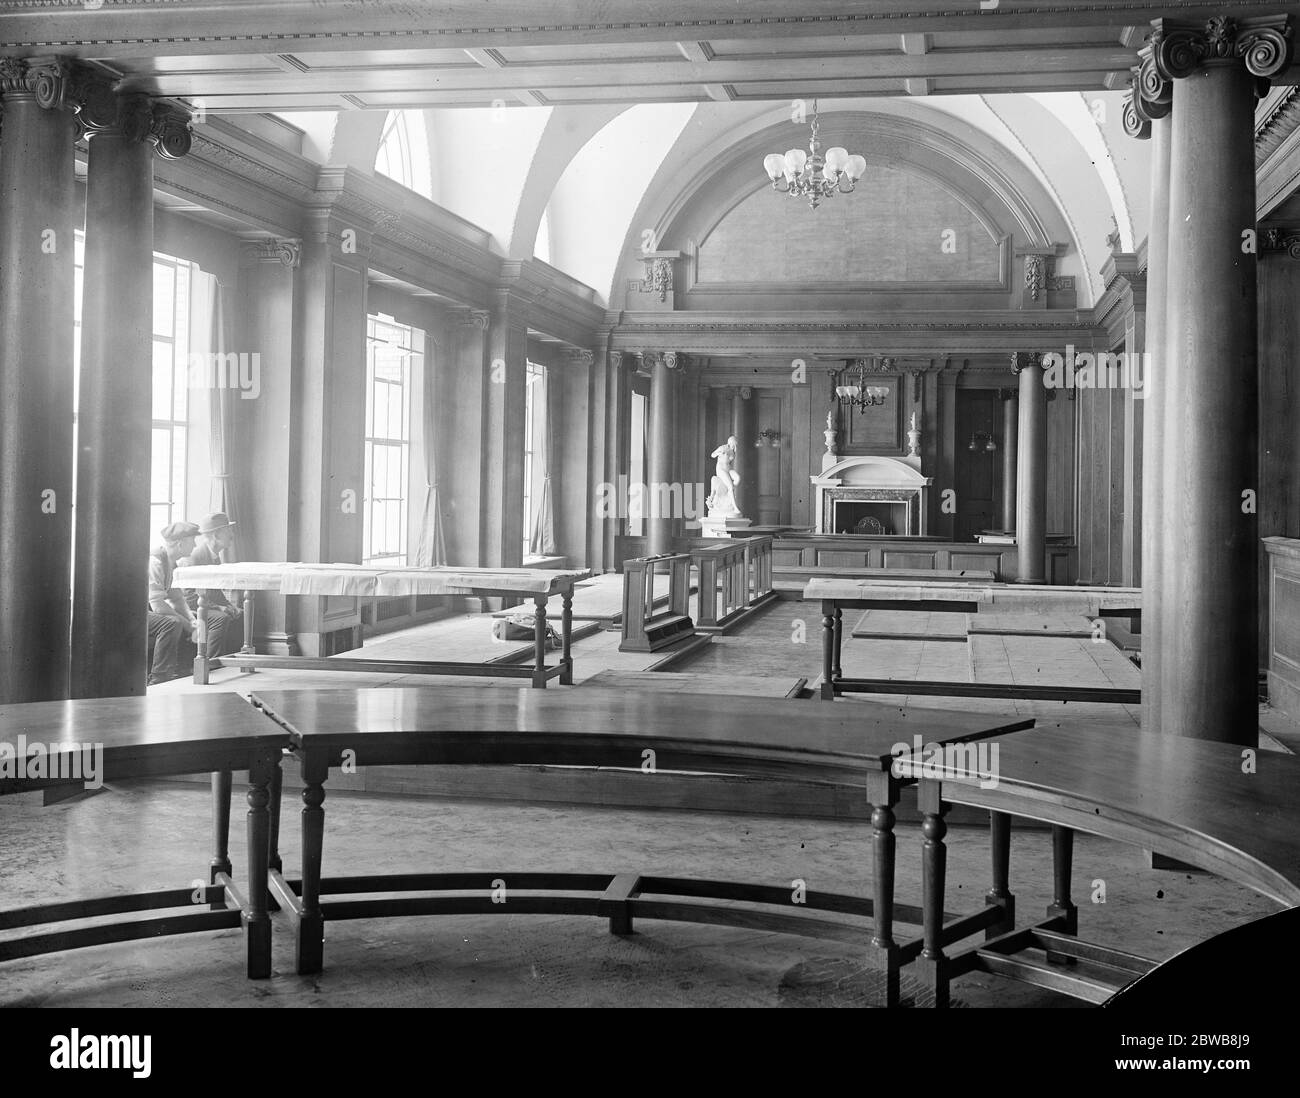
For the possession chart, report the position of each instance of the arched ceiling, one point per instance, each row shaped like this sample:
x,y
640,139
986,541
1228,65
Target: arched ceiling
x,y
1056,168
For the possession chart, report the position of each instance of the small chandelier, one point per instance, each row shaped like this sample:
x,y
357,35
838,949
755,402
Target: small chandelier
x,y
854,392
809,174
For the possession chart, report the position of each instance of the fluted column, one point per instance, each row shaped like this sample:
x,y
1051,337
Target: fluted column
x,y
114,421
1150,120
1208,530
1031,469
663,403
36,377
1010,434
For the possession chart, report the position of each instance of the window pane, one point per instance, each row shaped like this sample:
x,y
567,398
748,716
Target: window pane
x,y
164,284
180,436
160,466
162,379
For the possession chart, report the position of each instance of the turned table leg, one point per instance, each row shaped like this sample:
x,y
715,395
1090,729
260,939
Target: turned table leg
x,y
256,918
248,649
201,669
1062,907
883,795
934,865
1000,893
566,625
539,643
311,924
837,671
221,786
828,650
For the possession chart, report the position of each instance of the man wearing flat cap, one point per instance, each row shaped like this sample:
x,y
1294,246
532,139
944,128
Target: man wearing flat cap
x,y
170,618
216,534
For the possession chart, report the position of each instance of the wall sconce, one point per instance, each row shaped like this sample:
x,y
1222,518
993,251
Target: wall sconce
x,y
768,436
988,445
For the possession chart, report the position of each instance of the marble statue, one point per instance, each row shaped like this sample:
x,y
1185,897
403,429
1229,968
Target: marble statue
x,y
722,500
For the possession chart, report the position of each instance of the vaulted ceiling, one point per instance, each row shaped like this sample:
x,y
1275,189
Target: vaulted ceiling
x,y
277,55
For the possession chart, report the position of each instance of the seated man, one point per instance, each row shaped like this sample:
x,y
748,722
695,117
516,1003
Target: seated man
x,y
169,617
216,534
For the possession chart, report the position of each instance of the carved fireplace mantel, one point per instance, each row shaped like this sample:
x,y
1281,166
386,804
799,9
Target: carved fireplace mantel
x,y
855,490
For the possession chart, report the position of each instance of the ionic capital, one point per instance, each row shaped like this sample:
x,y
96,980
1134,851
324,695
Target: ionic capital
x,y
1178,49
285,251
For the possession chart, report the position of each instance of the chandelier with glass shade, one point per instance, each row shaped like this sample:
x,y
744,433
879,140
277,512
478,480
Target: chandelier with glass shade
x,y
810,174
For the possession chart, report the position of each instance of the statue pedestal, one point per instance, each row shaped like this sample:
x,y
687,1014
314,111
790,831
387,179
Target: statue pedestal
x,y
722,527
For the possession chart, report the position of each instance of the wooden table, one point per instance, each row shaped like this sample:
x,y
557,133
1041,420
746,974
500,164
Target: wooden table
x,y
359,581
753,737
1185,798
836,595
150,738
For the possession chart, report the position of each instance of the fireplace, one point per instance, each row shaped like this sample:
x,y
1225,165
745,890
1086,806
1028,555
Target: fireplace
x,y
872,495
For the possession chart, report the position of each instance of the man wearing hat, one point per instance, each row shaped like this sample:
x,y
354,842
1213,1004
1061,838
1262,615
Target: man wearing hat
x,y
170,618
216,534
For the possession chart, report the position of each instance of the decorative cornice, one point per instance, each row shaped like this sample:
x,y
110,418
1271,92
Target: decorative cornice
x,y
283,250
1280,122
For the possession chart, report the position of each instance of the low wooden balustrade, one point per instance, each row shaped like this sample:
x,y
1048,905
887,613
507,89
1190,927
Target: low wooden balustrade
x,y
735,576
644,629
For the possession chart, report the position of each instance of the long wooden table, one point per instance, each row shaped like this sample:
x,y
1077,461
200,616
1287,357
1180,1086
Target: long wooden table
x,y
150,738
1205,803
687,734
836,595
359,581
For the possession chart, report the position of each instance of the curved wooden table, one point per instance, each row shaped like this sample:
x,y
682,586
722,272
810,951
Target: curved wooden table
x,y
1191,799
684,734
151,738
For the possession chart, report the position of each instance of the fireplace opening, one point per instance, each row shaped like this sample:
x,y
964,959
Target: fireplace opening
x,y
853,516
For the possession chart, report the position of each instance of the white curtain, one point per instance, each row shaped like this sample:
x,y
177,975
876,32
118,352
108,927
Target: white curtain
x,y
431,551
541,538
209,335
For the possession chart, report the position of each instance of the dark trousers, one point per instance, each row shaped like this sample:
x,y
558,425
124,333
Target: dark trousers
x,y
164,637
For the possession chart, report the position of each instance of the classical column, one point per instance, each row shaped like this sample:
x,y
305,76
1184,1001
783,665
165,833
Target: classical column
x,y
268,278
663,410
36,378
505,405
1010,432
1150,119
115,406
1208,561
742,426
1031,469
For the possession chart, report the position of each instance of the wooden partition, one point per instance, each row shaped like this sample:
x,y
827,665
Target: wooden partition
x,y
1284,625
644,629
734,576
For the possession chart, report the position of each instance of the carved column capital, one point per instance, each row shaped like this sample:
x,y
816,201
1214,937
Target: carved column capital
x,y
473,318
579,356
286,251
1178,49
1023,360
1280,240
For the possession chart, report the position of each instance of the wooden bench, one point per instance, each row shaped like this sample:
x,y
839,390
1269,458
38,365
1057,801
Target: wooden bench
x,y
1189,799
649,732
837,595
151,738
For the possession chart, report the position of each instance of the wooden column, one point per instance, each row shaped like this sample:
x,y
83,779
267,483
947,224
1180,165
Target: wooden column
x,y
1031,470
329,413
659,458
115,416
268,271
504,406
36,375
742,427
1010,433
1207,564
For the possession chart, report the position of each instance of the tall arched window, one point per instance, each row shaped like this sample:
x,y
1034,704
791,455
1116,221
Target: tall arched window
x,y
404,152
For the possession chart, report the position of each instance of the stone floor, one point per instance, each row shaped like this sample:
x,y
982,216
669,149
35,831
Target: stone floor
x,y
155,835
